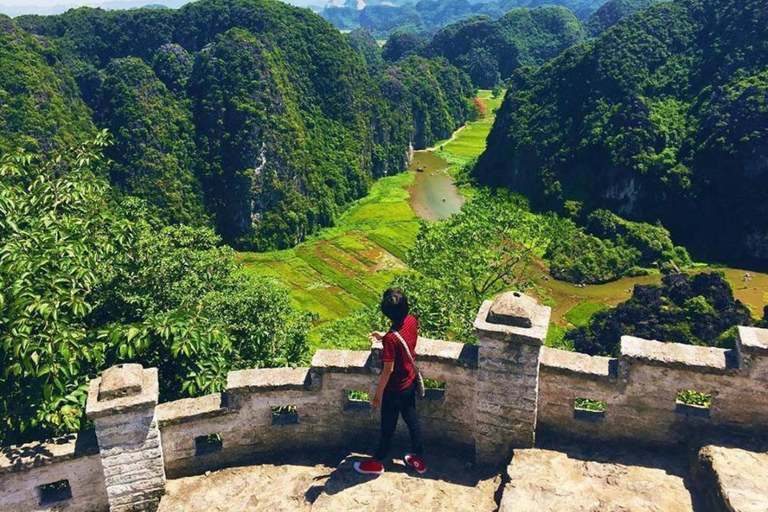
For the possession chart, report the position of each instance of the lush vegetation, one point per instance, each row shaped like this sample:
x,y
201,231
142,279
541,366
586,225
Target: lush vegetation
x,y
491,50
426,17
693,309
363,41
41,107
339,274
252,116
87,282
662,117
611,13
610,247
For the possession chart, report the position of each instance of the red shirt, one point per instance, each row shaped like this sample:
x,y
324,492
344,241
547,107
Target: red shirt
x,y
404,373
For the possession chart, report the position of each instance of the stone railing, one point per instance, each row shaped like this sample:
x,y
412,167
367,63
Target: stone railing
x,y
495,397
639,390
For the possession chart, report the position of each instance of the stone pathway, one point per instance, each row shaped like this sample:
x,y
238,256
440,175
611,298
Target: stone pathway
x,y
562,478
543,480
298,485
738,479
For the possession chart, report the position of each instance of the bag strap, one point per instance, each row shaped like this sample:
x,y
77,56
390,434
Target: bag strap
x,y
407,351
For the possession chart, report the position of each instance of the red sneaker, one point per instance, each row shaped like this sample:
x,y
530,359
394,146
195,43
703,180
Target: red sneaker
x,y
415,462
369,467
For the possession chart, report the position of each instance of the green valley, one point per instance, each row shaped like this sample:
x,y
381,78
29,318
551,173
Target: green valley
x,y
346,267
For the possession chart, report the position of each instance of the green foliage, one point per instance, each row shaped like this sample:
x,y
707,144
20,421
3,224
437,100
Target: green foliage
x,y
87,283
589,405
57,241
610,247
360,396
661,117
491,50
691,397
173,65
427,16
436,96
434,384
153,152
581,258
402,44
610,13
695,310
457,263
40,106
251,111
362,40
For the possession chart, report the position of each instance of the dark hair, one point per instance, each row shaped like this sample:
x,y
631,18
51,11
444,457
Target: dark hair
x,y
394,305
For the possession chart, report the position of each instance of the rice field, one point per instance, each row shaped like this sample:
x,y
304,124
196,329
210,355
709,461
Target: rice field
x,y
345,267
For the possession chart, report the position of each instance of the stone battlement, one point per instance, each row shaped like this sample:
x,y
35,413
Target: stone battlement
x,y
497,396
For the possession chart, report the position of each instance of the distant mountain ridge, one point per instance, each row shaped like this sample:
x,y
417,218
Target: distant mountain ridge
x,y
428,16
45,10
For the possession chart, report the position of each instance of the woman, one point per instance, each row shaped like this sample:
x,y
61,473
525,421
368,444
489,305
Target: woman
x,y
396,392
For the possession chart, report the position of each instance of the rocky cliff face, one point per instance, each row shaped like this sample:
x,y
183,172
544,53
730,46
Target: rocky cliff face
x,y
662,117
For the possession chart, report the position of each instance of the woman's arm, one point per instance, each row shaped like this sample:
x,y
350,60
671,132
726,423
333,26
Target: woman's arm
x,y
389,367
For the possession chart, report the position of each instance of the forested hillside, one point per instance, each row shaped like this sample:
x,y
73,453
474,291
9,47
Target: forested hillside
x,y
426,17
41,106
610,13
663,117
491,50
252,115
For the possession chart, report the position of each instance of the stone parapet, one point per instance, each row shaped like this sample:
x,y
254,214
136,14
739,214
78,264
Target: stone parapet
x,y
511,330
122,407
492,398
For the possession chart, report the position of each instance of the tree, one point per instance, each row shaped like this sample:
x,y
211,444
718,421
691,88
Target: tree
x,y
457,263
88,282
58,238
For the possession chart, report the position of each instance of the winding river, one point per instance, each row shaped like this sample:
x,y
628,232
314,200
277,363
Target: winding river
x,y
433,194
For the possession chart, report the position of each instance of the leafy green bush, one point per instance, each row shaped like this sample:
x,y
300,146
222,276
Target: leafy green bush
x,y
610,247
87,283
691,397
694,309
457,263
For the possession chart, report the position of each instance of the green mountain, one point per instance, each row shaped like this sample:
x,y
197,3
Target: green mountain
x,y
665,116
426,17
491,50
252,113
611,13
40,107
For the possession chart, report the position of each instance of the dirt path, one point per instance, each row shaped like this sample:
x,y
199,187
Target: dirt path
x,y
453,136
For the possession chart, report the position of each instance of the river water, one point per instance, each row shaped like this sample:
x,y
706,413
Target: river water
x,y
433,195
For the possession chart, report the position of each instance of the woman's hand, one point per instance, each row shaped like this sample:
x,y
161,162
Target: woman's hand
x,y
378,336
376,402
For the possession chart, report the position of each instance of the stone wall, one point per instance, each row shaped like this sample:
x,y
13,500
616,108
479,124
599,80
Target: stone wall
x,y
497,396
27,471
240,424
640,388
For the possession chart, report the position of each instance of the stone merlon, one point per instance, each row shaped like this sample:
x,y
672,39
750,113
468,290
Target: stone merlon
x,y
506,317
121,391
676,355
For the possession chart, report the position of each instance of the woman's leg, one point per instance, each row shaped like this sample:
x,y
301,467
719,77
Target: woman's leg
x,y
411,418
389,415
